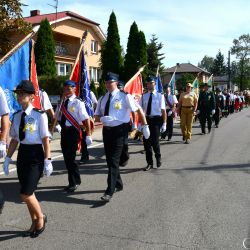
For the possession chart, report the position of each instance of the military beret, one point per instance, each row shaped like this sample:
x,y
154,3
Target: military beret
x,y
69,83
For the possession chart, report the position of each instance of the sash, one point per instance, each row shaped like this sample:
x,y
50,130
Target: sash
x,y
169,104
73,122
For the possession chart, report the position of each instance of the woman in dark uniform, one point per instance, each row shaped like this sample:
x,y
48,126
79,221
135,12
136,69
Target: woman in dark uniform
x,y
30,128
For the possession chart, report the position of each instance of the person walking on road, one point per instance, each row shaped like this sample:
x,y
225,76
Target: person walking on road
x,y
113,110
187,109
30,129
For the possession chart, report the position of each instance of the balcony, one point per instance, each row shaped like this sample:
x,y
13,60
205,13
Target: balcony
x,y
65,49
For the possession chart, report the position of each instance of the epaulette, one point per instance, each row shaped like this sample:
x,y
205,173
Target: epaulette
x,y
42,90
17,112
124,92
80,99
38,110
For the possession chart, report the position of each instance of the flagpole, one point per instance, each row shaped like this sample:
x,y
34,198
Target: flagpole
x,y
157,71
136,74
84,36
30,35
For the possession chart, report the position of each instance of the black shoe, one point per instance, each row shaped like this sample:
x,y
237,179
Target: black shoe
x,y
123,164
148,167
30,231
158,163
216,125
118,189
169,139
37,232
84,159
209,131
106,197
71,189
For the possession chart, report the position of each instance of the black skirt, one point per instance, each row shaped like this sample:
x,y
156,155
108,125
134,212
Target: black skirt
x,y
30,164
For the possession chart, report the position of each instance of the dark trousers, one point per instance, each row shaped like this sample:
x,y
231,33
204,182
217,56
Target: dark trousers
x,y
69,142
125,155
84,147
170,125
205,116
153,141
1,201
217,116
114,139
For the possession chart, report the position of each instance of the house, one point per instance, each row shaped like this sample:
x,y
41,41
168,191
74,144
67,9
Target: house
x,y
68,28
183,68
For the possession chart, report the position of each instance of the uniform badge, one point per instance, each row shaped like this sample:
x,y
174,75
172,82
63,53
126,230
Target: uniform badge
x,y
29,125
117,104
72,108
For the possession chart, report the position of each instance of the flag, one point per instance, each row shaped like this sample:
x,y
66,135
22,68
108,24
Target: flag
x,y
210,81
195,85
158,84
134,87
15,68
80,76
172,84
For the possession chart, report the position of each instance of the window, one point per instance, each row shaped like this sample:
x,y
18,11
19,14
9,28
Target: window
x,y
94,46
63,69
94,74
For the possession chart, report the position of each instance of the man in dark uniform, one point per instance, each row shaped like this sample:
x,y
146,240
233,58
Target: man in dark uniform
x,y
113,110
206,108
219,106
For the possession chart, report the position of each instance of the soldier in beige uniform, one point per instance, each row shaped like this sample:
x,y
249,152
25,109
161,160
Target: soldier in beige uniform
x,y
186,109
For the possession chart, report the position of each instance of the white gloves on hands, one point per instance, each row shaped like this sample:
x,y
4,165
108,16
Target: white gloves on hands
x,y
6,164
48,167
163,127
213,111
145,131
134,127
197,112
170,112
58,128
88,140
2,149
106,119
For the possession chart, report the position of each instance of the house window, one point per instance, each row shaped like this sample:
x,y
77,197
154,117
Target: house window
x,y
94,47
63,69
94,74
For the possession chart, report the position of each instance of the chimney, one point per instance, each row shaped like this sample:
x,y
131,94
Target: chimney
x,y
34,12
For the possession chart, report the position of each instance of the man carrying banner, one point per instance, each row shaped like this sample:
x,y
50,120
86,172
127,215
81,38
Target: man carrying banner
x,y
5,123
113,110
73,116
154,107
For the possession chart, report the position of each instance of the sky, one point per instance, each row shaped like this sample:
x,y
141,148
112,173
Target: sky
x,y
188,29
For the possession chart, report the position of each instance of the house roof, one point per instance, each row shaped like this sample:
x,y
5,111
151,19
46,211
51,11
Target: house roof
x,y
36,20
186,68
224,78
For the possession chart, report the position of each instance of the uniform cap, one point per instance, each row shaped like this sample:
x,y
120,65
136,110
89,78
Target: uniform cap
x,y
150,79
189,85
25,86
69,83
111,77
217,89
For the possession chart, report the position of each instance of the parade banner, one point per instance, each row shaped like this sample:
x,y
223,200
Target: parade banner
x,y
158,84
195,85
15,67
210,81
172,84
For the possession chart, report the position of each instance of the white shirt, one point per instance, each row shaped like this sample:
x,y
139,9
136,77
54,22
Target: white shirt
x,y
171,99
93,97
76,108
121,105
36,126
4,109
158,103
45,102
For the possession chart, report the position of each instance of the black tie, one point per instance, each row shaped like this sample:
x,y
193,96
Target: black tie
x,y
106,112
63,119
149,104
21,127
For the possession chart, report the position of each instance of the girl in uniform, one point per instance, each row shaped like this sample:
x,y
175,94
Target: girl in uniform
x,y
30,129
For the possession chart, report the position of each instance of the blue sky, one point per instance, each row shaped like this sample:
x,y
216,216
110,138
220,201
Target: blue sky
x,y
188,29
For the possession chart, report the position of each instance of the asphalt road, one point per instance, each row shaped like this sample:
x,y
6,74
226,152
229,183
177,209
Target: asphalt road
x,y
198,199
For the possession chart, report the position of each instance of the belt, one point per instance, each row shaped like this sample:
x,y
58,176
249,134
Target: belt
x,y
153,117
187,106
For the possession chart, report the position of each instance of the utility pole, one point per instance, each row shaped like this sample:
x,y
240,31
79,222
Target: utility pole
x,y
55,7
229,71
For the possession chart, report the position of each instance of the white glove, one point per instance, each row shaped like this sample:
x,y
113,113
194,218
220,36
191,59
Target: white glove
x,y
2,149
170,112
139,128
106,119
134,127
58,128
213,111
88,140
145,131
48,167
6,164
163,127
197,112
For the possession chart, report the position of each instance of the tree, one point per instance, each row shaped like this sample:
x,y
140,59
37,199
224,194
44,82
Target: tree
x,y
185,78
11,22
101,90
111,52
241,48
45,50
93,88
154,56
206,63
219,67
136,52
